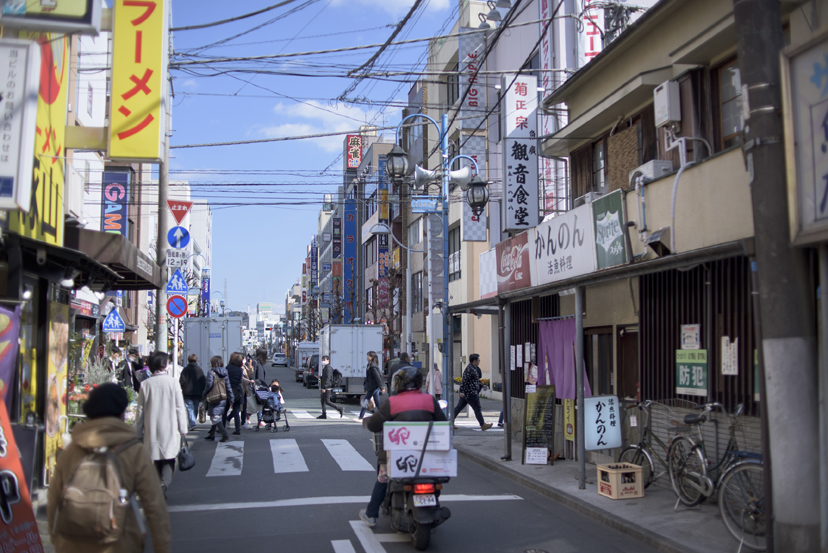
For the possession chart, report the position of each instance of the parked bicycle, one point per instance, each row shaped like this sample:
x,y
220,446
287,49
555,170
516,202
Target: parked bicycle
x,y
647,451
737,475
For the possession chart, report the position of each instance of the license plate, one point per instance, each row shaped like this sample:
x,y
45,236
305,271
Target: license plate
x,y
336,390
425,500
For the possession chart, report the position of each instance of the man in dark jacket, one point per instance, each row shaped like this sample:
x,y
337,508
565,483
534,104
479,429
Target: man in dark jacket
x,y
470,391
403,361
407,404
192,387
325,385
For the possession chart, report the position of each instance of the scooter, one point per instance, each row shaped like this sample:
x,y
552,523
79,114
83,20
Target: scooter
x,y
413,504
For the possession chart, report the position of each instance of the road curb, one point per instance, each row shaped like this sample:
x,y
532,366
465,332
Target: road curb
x,y
654,540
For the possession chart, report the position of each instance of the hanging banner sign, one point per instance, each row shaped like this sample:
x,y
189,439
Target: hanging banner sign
x,y
520,152
139,70
115,204
610,240
472,85
44,221
353,151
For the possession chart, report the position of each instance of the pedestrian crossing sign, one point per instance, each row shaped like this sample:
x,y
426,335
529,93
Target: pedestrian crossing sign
x,y
177,284
114,322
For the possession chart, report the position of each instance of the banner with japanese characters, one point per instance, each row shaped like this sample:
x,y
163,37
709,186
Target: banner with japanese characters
x,y
472,83
691,372
564,246
610,239
602,423
520,152
349,264
474,227
353,151
44,221
139,71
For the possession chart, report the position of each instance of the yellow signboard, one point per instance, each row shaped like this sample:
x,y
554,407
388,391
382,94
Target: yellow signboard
x,y
56,380
44,221
138,79
569,419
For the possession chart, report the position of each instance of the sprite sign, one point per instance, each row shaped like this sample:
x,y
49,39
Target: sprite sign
x,y
691,372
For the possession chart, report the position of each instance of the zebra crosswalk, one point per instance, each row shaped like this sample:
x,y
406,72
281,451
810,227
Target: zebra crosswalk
x,y
287,457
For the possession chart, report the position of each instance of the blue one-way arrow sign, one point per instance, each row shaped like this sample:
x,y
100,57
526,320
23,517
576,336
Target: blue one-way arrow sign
x,y
177,284
178,237
114,322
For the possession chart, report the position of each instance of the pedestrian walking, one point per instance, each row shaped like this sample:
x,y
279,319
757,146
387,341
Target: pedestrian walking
x,y
374,383
105,427
116,364
192,387
325,385
162,418
217,409
437,392
235,374
134,361
470,391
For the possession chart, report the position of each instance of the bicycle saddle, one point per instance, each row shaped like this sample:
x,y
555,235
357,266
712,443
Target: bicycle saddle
x,y
694,419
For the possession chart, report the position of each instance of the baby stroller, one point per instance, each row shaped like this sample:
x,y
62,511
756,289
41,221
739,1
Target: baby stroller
x,y
272,408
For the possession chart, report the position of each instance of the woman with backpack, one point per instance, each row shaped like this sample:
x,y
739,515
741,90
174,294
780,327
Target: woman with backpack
x,y
72,529
161,420
217,393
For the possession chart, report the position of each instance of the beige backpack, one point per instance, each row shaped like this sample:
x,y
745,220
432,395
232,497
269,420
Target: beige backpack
x,y
93,503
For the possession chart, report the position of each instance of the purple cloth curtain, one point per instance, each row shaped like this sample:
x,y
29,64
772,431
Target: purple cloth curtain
x,y
556,358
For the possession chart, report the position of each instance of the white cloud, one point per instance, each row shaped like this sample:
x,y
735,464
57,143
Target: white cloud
x,y
302,119
189,84
395,7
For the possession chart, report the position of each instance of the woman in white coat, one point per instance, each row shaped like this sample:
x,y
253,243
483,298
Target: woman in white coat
x,y
162,418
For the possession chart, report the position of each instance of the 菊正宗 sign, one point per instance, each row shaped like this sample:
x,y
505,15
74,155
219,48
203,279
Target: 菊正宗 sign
x,y
602,424
520,152
691,372
610,241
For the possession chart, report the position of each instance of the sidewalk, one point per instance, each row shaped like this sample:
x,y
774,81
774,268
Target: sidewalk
x,y
650,519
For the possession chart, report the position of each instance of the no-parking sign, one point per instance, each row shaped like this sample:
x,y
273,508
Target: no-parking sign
x,y
177,306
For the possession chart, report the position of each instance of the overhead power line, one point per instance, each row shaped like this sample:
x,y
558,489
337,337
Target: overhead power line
x,y
238,18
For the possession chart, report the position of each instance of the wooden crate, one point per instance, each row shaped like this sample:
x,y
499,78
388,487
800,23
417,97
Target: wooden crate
x,y
620,481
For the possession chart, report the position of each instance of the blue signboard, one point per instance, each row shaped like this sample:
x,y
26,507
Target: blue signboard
x,y
426,204
178,237
350,239
115,204
205,290
177,284
114,322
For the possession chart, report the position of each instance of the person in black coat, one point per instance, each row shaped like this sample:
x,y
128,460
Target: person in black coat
x,y
235,373
258,367
325,385
192,387
374,383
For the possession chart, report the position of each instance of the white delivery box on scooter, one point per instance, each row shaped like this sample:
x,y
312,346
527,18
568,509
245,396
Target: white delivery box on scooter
x,y
436,464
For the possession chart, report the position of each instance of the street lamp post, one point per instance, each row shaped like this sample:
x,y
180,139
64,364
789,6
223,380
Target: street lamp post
x,y
397,167
221,303
382,228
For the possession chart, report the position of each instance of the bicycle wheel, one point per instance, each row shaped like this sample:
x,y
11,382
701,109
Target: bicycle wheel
x,y
637,455
688,471
742,504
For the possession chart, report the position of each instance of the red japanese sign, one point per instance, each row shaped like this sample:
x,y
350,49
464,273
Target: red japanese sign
x,y
179,209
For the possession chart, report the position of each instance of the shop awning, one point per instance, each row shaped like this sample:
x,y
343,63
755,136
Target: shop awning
x,y
486,306
136,269
54,263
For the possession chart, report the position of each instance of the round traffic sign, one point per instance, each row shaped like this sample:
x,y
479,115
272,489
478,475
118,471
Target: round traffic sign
x,y
178,237
177,306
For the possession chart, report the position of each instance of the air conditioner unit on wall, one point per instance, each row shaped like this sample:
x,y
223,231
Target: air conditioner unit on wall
x,y
652,170
587,198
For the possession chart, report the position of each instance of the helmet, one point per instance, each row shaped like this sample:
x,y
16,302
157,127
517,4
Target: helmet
x,y
407,378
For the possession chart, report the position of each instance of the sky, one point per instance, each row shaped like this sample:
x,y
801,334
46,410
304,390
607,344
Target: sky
x,y
259,249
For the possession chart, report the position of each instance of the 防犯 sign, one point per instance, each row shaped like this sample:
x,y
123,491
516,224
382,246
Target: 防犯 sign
x,y
691,372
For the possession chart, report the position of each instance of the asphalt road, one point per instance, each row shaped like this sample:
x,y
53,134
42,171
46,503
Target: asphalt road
x,y
300,491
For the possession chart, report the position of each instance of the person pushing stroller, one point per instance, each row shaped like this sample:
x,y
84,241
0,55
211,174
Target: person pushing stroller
x,y
273,405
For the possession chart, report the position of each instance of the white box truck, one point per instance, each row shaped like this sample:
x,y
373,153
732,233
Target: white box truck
x,y
207,337
348,347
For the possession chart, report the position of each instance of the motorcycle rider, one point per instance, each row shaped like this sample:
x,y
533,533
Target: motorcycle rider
x,y
409,404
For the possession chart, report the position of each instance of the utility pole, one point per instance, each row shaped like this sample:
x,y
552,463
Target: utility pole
x,y
161,239
788,341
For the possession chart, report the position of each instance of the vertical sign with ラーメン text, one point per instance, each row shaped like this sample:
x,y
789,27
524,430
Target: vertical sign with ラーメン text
x,y
139,77
520,152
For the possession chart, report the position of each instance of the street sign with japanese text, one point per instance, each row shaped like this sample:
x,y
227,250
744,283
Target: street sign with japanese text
x,y
179,209
691,372
520,152
426,204
176,258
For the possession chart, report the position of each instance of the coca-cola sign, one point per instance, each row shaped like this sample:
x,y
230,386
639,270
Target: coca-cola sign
x,y
514,264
